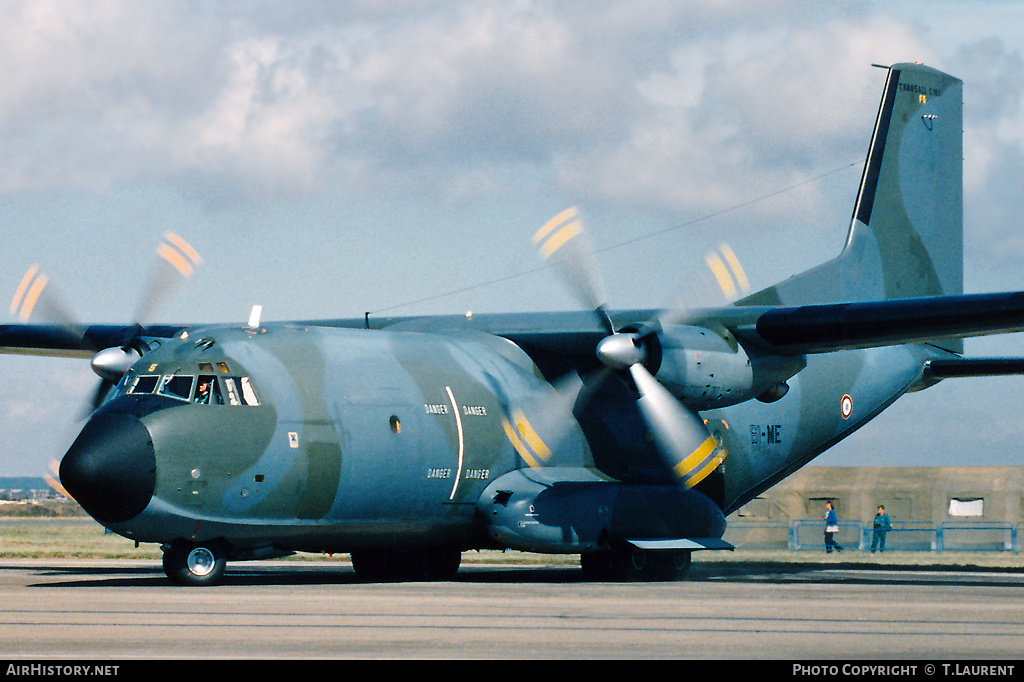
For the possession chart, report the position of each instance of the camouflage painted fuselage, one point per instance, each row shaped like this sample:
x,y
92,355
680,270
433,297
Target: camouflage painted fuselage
x,y
346,437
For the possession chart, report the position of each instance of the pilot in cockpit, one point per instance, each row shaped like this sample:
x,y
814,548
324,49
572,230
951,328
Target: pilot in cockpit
x,y
203,391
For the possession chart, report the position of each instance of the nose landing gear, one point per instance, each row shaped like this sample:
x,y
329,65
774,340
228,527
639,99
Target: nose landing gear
x,y
194,564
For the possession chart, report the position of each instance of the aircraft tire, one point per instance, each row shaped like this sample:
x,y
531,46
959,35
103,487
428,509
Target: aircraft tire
x,y
194,565
626,563
441,564
622,563
371,565
596,566
671,565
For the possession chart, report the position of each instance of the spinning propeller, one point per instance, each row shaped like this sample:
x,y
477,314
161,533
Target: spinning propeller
x,y
687,448
177,262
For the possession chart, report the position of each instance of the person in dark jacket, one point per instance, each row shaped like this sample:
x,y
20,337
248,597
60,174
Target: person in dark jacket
x,y
879,528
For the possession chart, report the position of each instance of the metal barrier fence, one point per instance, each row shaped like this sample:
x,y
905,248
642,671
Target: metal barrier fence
x,y
809,534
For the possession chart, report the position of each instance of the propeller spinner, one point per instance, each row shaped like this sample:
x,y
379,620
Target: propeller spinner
x,y
687,448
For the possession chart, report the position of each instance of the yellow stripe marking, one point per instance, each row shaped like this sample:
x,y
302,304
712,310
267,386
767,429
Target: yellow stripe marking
x,y
560,238
530,436
54,481
721,273
729,272
696,457
703,473
55,484
737,269
32,297
518,445
22,287
184,246
178,261
550,225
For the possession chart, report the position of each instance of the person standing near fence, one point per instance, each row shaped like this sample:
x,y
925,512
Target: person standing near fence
x,y
880,527
831,528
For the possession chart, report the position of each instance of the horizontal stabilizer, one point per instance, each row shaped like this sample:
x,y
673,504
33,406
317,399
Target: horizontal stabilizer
x,y
682,543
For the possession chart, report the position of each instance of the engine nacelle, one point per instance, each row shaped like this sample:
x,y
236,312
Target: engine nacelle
x,y
555,510
706,369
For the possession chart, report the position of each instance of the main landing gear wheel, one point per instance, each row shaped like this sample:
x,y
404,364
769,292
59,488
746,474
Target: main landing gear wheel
x,y
622,563
626,563
671,565
194,564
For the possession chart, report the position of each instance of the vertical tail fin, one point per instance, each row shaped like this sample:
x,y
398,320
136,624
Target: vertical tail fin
x,y
909,210
906,235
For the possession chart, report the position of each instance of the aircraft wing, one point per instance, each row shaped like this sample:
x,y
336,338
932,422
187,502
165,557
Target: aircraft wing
x,y
826,328
785,330
63,341
958,368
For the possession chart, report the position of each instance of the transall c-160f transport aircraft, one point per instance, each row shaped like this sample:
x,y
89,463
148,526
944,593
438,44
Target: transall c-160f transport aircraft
x,y
624,436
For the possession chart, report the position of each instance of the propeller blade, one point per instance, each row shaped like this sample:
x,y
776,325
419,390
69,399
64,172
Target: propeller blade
x,y
729,277
98,396
564,235
728,271
685,444
35,297
177,262
53,478
538,426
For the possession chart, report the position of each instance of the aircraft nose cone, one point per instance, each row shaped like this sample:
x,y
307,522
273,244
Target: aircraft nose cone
x,y
110,469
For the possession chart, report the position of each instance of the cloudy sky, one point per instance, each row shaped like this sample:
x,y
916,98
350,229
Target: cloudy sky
x,y
329,159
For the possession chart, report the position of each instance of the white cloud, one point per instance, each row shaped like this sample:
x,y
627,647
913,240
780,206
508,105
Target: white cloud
x,y
644,102
271,120
740,114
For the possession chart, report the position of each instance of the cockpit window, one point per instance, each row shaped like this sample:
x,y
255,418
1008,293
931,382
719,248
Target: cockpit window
x,y
248,393
206,389
239,391
177,386
145,384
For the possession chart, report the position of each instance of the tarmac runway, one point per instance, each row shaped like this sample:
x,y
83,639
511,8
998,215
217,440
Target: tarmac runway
x,y
98,610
